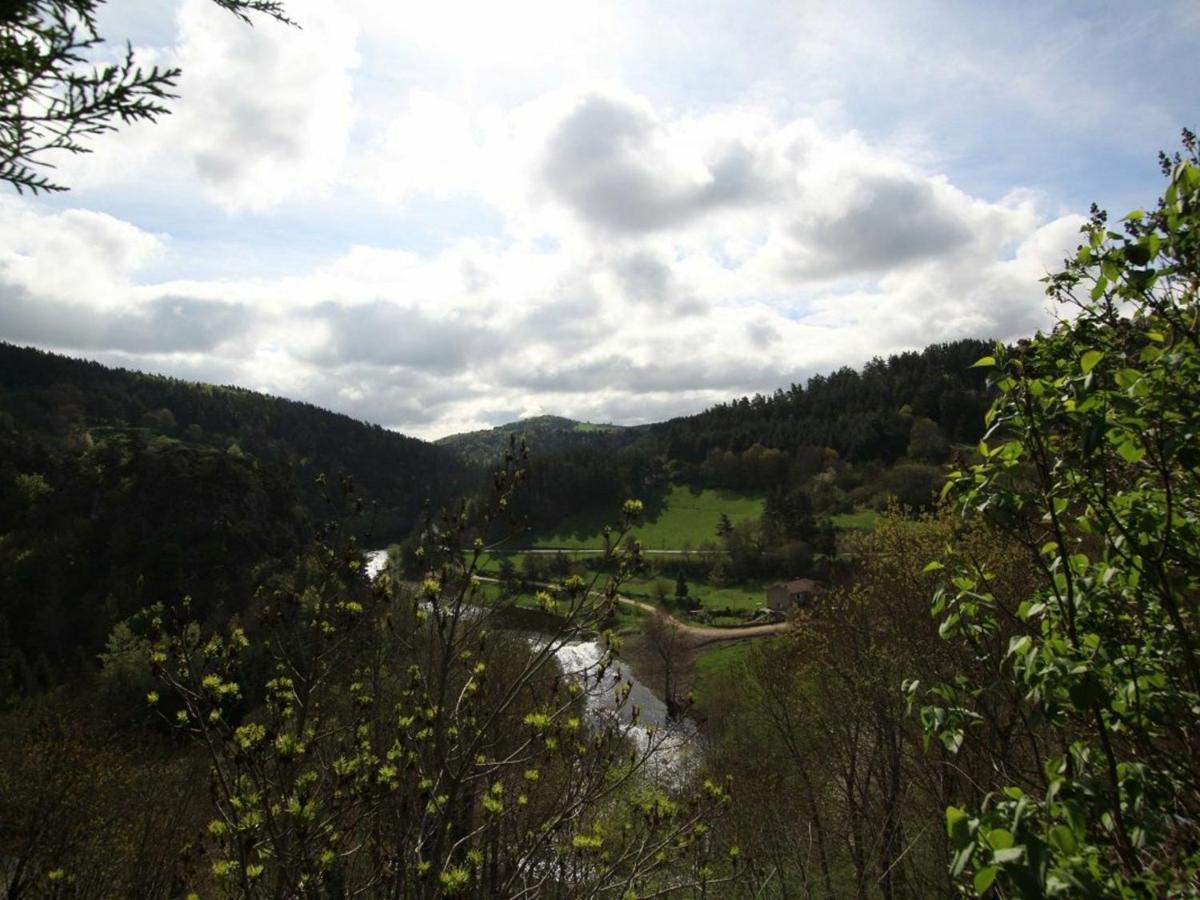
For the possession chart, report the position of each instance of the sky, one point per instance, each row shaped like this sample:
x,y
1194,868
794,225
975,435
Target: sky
x,y
445,216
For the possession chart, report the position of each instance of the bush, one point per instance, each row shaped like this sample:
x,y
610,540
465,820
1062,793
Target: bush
x,y
1092,461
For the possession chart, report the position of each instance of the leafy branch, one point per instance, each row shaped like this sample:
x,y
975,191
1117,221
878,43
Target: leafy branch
x,y
52,97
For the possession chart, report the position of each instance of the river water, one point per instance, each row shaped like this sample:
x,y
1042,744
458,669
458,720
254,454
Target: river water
x,y
376,560
671,747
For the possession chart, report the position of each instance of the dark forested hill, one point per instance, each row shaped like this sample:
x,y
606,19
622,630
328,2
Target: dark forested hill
x,y
872,415
49,398
119,490
845,441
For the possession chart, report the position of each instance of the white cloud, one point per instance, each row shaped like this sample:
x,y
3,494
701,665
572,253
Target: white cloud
x,y
266,111
76,253
688,203
617,169
661,293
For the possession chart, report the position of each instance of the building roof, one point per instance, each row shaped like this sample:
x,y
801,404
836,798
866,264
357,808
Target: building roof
x,y
804,586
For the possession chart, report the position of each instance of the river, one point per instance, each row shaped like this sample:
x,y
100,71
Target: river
x,y
672,746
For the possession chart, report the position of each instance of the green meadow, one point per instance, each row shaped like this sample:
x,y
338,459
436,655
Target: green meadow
x,y
685,518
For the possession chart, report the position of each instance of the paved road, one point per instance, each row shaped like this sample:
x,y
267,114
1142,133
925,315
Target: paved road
x,y
699,635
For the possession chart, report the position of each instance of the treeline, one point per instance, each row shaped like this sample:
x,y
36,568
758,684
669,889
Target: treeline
x,y
594,477
870,416
848,440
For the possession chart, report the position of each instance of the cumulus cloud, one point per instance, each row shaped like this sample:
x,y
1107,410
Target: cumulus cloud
x,y
268,110
72,253
653,262
645,277
264,113
164,325
887,220
385,333
619,170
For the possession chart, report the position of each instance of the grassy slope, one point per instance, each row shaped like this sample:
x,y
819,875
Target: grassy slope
x,y
715,666
688,518
742,596
859,520
749,596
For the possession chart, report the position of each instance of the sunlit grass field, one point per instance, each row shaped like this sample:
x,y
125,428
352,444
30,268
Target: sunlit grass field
x,y
685,519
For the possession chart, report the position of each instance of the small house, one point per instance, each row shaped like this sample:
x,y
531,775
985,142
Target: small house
x,y
797,592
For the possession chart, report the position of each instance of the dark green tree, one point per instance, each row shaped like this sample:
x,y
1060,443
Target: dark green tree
x,y
681,590
507,574
724,526
788,514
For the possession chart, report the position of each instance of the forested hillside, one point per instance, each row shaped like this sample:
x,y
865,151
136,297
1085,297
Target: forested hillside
x,y
547,433
47,398
845,441
873,415
119,489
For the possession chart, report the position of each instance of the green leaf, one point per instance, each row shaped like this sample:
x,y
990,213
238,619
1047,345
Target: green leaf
x,y
961,858
984,362
984,878
933,566
1089,360
1063,839
1017,645
952,740
1138,254
1000,839
958,825
1131,452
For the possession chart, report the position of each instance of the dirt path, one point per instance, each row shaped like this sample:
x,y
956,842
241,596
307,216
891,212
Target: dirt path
x,y
594,551
698,635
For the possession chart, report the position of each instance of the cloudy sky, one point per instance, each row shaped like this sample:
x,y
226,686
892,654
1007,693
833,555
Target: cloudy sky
x,y
441,216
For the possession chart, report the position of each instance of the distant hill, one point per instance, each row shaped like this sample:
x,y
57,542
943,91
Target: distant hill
x,y
868,415
847,441
120,489
544,434
46,398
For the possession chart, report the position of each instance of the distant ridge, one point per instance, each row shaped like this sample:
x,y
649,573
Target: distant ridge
x,y
49,396
544,434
